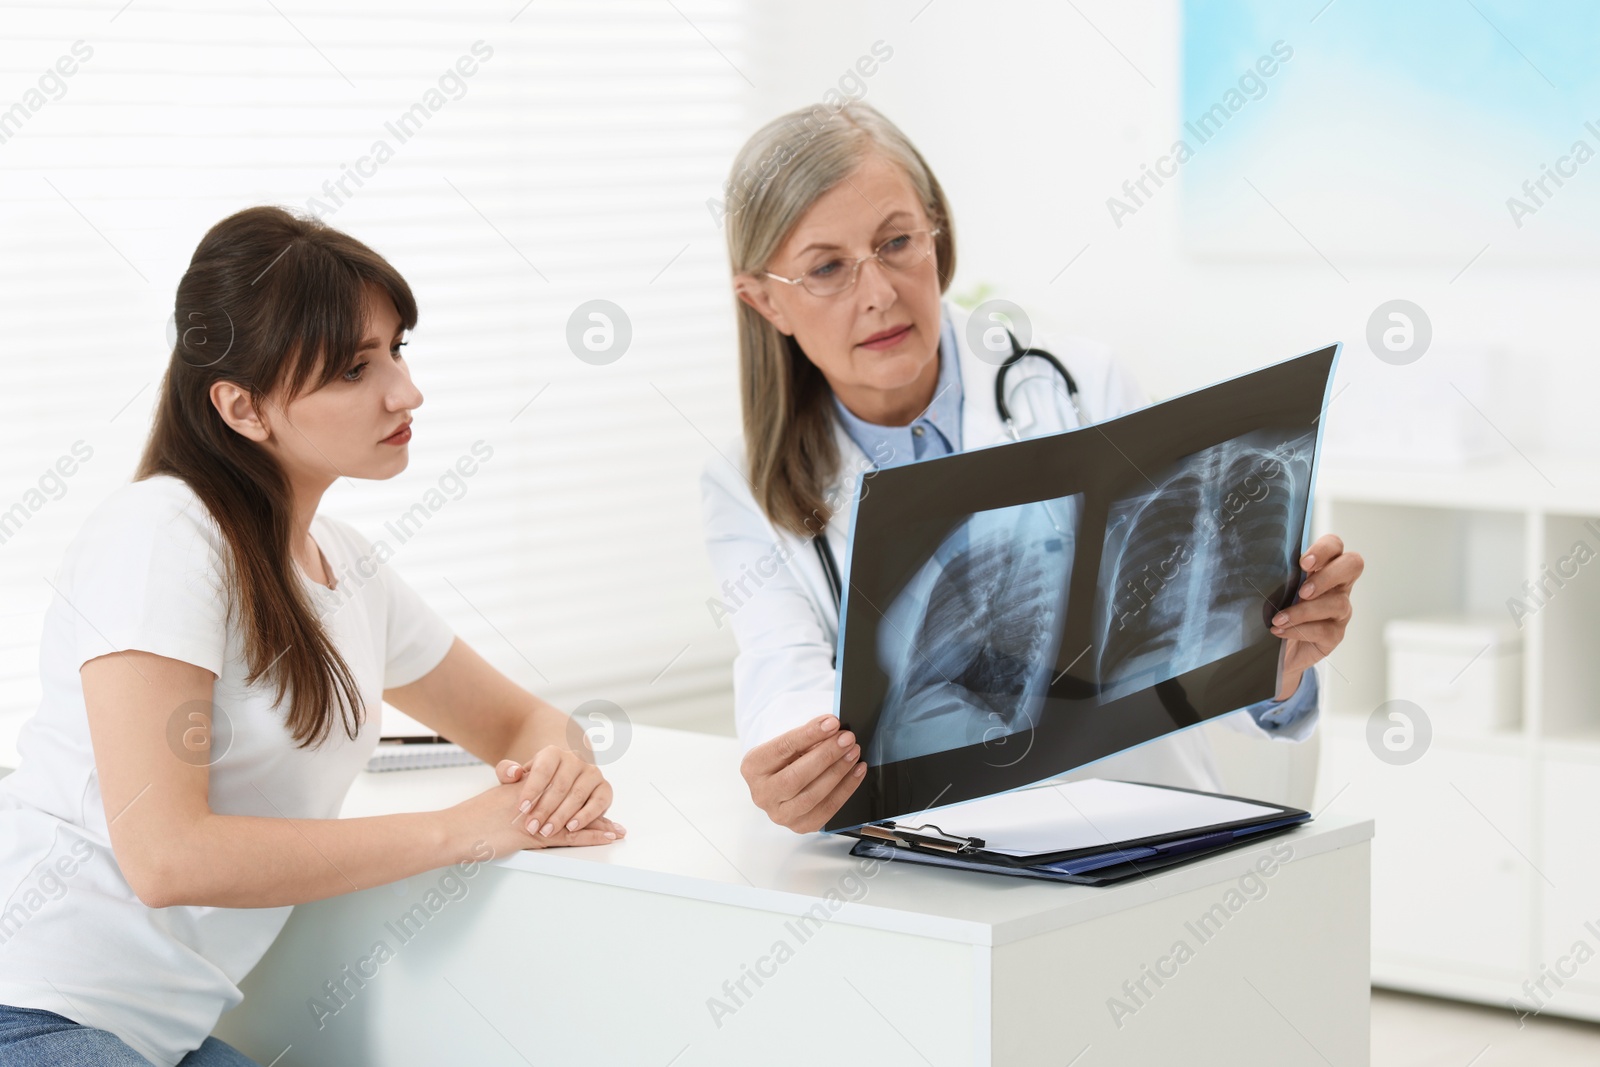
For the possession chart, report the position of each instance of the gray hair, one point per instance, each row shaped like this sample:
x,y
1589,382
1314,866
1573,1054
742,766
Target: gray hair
x,y
783,169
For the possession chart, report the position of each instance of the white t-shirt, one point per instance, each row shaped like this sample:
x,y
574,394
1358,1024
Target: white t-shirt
x,y
146,573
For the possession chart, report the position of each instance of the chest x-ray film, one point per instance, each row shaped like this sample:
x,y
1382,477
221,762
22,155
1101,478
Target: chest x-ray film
x,y
1016,612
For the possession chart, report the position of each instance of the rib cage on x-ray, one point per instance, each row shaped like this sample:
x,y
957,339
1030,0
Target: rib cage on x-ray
x,y
1188,566
968,643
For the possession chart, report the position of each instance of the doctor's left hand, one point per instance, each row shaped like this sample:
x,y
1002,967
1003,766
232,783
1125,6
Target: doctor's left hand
x,y
562,790
1314,625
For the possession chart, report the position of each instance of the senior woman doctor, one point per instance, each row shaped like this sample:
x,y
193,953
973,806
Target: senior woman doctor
x,y
842,247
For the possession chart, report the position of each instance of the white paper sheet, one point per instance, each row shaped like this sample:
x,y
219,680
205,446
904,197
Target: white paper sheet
x,y
1090,813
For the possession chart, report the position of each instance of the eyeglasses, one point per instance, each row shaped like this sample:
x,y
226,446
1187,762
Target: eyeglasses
x,y
900,252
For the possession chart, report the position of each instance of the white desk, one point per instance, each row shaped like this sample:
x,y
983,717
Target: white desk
x,y
616,955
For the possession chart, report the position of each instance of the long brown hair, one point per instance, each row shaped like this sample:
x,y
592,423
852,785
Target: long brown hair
x,y
779,173
270,301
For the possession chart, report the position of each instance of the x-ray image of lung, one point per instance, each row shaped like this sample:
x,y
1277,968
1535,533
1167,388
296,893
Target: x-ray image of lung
x,y
1190,564
969,643
1015,612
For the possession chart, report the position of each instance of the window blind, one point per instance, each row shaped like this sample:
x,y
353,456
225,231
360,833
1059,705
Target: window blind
x,y
572,165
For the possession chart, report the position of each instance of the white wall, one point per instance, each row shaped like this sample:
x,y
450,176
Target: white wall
x,y
1032,118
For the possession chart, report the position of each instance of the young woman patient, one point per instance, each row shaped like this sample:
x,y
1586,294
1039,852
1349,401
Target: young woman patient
x,y
211,687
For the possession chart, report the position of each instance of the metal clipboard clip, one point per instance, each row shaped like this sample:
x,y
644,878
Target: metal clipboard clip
x,y
928,836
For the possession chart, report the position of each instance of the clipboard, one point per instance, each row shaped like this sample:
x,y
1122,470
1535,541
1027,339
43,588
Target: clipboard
x,y
1090,832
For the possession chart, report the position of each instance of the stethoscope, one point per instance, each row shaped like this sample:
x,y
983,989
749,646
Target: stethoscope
x,y
830,565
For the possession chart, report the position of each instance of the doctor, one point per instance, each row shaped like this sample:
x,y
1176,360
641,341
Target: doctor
x,y
842,245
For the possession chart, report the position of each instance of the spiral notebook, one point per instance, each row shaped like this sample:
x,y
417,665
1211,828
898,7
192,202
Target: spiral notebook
x,y
404,744
415,753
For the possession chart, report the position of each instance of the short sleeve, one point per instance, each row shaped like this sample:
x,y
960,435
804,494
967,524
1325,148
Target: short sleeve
x,y
416,638
146,573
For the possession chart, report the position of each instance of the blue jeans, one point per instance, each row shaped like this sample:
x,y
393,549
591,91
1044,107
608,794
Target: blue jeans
x,y
30,1037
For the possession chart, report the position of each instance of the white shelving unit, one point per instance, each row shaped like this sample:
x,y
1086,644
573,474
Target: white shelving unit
x,y
1486,862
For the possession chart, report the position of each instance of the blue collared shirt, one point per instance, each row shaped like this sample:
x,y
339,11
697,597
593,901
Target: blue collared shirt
x,y
934,433
937,432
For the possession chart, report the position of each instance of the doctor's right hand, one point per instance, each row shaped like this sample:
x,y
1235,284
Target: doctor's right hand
x,y
801,778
